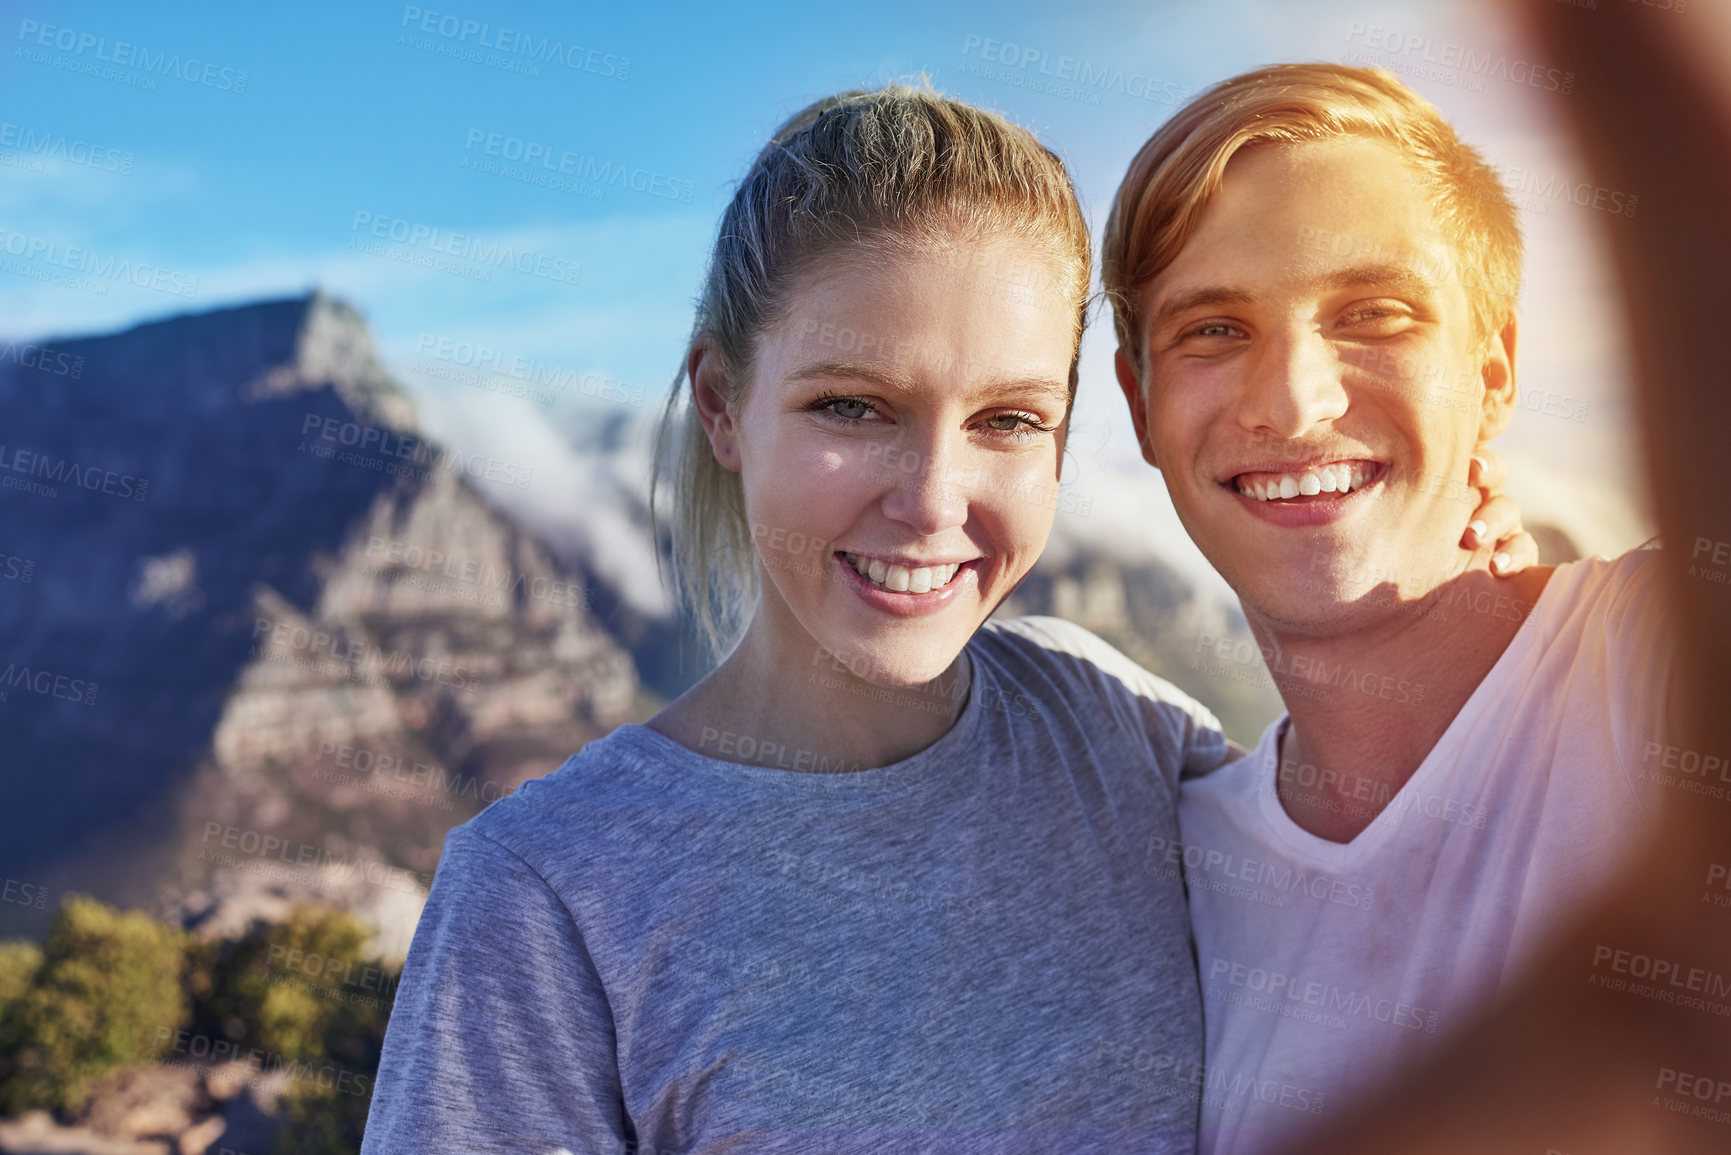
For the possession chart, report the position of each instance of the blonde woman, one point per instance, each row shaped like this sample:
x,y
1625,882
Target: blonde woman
x,y
892,877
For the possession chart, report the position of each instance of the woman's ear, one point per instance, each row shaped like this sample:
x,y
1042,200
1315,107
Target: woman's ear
x,y
709,390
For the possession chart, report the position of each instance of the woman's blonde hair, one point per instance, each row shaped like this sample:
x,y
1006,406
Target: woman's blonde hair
x,y
897,166
1176,173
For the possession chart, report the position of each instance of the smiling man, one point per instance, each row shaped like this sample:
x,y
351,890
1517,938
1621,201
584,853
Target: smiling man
x,y
1314,284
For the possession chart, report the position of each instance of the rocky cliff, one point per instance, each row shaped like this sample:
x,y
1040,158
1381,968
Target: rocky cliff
x,y
259,639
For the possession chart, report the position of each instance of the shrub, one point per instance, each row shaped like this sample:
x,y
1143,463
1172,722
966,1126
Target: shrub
x,y
108,991
20,959
307,991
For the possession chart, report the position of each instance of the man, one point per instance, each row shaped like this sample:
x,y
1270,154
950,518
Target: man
x,y
1314,285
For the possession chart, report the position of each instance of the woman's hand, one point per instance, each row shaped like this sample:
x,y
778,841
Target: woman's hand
x,y
1498,518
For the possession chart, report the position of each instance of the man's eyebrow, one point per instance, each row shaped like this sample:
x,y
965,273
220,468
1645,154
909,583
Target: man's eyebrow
x,y
1401,278
1194,299
900,383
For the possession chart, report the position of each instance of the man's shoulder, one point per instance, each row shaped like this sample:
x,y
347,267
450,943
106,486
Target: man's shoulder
x,y
1614,606
1628,580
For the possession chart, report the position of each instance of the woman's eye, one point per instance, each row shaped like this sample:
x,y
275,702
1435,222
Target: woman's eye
x,y
1016,423
847,408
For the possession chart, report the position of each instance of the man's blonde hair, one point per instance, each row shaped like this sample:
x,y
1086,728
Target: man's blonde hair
x,y
1176,173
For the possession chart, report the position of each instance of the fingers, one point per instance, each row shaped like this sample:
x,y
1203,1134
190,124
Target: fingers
x,y
1496,518
1498,521
1515,553
1488,471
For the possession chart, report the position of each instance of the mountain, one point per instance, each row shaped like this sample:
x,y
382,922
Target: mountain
x,y
259,638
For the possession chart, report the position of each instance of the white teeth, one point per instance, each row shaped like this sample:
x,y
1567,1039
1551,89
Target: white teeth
x,y
1336,477
901,579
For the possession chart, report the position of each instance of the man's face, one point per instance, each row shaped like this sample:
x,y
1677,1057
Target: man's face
x,y
1311,388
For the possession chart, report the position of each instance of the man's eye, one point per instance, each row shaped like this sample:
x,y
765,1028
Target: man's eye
x,y
1212,329
1375,315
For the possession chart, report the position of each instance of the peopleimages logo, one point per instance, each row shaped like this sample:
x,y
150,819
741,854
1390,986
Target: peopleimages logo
x,y
60,471
464,32
582,166
1460,59
47,684
372,447
1069,76
87,262
123,54
481,366
42,358
464,246
52,146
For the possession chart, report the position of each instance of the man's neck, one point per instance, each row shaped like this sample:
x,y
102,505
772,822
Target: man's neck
x,y
1370,703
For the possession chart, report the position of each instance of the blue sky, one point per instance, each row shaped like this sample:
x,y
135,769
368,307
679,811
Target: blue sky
x,y
276,139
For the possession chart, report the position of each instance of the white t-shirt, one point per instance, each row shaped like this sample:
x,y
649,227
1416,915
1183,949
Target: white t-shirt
x,y
1327,966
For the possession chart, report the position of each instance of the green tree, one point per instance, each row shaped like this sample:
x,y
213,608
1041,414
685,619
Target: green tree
x,y
20,959
285,987
308,990
321,1121
108,991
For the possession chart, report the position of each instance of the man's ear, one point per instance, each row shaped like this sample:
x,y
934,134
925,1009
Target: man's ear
x,y
709,389
1498,377
1132,387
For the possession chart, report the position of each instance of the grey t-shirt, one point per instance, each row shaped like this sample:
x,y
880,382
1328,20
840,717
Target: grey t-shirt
x,y
977,949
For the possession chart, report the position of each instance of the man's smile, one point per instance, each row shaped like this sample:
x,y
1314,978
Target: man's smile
x,y
1301,482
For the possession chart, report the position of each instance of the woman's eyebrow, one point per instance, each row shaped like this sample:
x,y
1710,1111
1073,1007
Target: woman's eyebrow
x,y
876,374
899,382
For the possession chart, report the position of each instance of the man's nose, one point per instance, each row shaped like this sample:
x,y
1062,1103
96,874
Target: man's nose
x,y
1294,384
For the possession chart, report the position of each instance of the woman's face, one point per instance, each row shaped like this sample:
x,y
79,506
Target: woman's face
x,y
899,443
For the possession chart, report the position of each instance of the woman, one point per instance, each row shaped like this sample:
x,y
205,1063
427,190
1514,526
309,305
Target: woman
x,y
891,878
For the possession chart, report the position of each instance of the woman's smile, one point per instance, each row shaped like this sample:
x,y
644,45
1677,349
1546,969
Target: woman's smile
x,y
908,591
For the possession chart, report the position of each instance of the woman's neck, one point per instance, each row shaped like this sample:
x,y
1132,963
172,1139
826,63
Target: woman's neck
x,y
789,703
